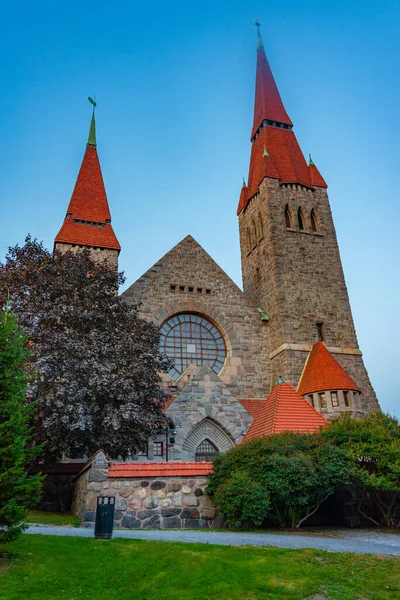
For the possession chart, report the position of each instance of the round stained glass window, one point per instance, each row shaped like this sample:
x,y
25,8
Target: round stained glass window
x,y
188,339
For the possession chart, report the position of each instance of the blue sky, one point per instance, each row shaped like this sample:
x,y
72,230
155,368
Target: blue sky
x,y
175,86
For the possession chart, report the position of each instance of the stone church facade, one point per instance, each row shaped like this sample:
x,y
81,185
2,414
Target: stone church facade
x,y
291,323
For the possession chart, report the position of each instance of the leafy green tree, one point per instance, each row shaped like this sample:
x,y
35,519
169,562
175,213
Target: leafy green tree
x,y
373,446
97,363
18,490
291,473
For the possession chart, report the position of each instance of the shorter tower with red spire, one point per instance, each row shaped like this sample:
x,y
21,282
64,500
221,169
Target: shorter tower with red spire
x,y
87,223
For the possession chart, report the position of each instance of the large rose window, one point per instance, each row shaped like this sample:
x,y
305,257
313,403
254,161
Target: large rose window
x,y
187,339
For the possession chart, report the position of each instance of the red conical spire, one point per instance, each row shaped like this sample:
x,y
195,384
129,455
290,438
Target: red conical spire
x,y
268,105
88,218
275,151
322,372
315,176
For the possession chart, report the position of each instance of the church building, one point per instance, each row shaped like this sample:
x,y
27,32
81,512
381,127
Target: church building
x,y
282,353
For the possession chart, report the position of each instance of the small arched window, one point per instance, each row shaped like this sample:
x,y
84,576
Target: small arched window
x,y
260,229
248,240
314,222
288,219
206,451
300,218
253,235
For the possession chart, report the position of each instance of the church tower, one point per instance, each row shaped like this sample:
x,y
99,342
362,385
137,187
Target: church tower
x,y
87,223
290,257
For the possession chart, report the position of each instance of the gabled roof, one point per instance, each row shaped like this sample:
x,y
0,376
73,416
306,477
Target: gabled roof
x,y
284,410
322,372
267,103
89,204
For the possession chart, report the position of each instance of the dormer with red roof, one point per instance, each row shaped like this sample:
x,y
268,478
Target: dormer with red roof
x,y
284,410
87,223
326,385
291,264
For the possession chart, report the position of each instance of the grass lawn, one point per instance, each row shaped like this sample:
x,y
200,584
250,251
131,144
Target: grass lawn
x,y
48,518
44,567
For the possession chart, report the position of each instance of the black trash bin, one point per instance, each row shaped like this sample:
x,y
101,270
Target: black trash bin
x,y
104,517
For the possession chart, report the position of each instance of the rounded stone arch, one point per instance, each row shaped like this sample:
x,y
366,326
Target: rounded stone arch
x,y
208,429
200,307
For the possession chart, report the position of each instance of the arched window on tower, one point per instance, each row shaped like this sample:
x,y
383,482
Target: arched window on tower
x,y
253,235
288,219
300,218
248,240
314,222
260,232
206,451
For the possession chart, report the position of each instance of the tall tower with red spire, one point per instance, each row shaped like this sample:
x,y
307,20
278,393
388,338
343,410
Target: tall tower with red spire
x,y
290,257
87,223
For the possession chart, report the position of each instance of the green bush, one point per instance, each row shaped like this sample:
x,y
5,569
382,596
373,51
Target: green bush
x,y
373,447
281,478
243,500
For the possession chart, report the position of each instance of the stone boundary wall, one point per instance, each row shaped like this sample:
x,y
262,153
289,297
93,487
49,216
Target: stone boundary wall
x,y
144,502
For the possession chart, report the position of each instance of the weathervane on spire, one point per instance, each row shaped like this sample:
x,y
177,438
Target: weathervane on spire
x,y
260,44
93,101
92,130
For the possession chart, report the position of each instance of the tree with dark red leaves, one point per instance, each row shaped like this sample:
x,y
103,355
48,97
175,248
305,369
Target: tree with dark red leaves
x,y
97,364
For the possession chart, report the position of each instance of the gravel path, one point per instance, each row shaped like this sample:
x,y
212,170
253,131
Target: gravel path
x,y
335,540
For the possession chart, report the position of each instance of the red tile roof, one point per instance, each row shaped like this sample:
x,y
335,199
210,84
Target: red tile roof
x,y
168,403
285,161
315,177
89,203
285,410
322,372
87,235
267,104
244,194
252,405
161,469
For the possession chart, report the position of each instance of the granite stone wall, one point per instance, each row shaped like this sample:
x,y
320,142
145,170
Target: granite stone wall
x,y
187,279
206,409
99,254
297,277
144,502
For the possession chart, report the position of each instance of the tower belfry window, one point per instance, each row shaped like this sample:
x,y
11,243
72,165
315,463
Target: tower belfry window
x,y
260,232
253,235
288,219
313,218
300,218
